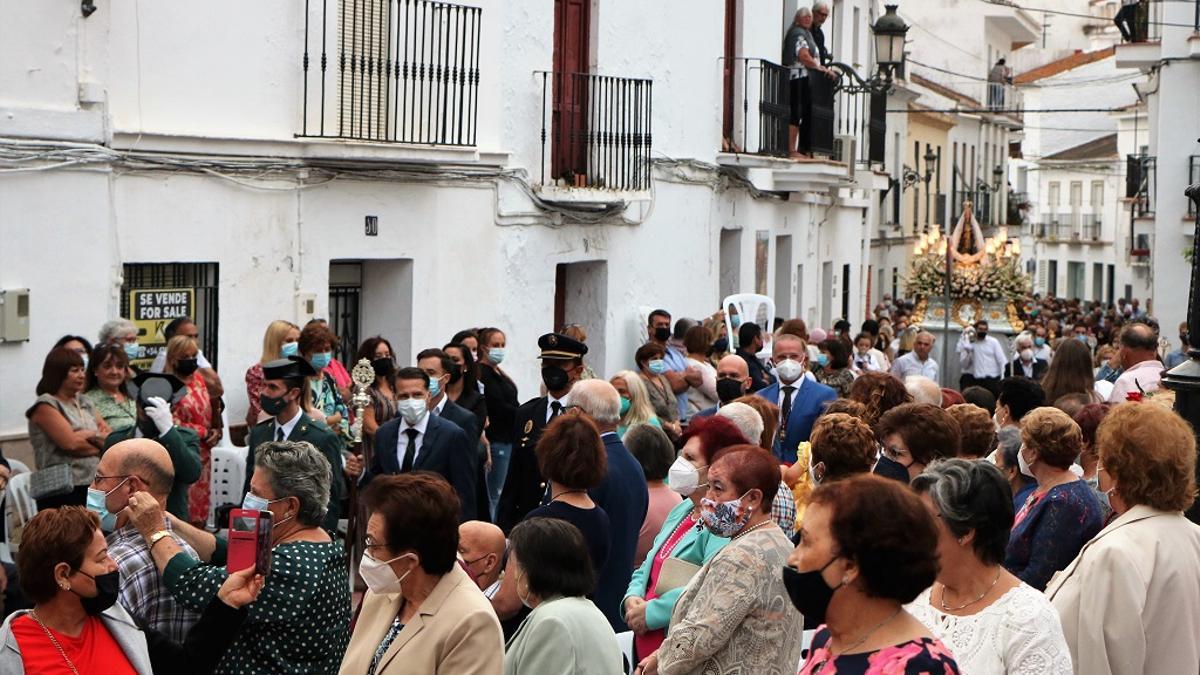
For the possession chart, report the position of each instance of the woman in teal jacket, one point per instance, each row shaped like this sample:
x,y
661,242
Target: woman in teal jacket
x,y
648,612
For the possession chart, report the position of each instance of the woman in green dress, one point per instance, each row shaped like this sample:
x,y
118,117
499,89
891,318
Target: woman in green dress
x,y
107,373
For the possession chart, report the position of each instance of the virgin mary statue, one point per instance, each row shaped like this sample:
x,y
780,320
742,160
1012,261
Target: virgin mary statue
x,y
966,241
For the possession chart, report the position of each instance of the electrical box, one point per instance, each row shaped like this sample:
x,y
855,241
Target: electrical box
x,y
14,315
306,307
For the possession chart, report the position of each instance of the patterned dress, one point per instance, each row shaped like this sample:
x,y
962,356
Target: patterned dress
x,y
194,411
839,379
254,387
916,657
118,415
326,400
1049,531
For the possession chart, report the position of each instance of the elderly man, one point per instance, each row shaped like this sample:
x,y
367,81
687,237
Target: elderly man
x,y
481,552
923,390
800,400
139,465
622,494
918,361
1139,358
820,14
1026,363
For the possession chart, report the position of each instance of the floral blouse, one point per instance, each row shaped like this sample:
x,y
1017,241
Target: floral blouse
x,y
839,379
916,657
327,400
117,415
254,387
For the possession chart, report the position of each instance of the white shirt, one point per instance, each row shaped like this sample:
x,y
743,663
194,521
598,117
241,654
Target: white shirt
x,y
1022,368
864,363
795,394
1044,353
288,425
437,409
402,439
1018,633
550,404
982,359
911,364
1145,375
160,361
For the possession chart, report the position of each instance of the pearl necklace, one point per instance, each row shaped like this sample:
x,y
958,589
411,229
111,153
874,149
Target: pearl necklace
x,y
748,530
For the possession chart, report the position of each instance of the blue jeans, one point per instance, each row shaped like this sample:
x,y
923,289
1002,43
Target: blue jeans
x,y
501,453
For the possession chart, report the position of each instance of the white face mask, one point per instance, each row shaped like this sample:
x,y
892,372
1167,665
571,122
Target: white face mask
x,y
380,576
683,476
413,410
1023,465
1027,355
789,370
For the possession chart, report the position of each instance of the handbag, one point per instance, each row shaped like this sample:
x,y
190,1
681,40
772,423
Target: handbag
x,y
52,481
674,573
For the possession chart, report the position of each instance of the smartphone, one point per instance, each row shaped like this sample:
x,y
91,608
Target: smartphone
x,y
249,541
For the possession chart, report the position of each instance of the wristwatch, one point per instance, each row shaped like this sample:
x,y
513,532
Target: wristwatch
x,y
158,536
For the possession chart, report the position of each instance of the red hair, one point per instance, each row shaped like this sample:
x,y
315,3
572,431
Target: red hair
x,y
714,432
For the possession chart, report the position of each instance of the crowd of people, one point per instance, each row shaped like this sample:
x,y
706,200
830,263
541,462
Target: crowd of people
x,y
738,498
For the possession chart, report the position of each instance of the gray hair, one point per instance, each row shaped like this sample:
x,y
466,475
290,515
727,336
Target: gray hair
x,y
821,4
1008,444
803,11
1023,338
117,328
923,390
745,418
297,469
598,399
971,496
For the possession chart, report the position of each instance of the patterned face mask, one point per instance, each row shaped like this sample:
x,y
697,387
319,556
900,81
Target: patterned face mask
x,y
721,518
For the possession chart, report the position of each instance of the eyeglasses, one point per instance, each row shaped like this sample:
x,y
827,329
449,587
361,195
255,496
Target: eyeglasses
x,y
371,543
98,478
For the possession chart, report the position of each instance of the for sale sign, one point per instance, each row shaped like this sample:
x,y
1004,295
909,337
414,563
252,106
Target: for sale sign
x,y
151,310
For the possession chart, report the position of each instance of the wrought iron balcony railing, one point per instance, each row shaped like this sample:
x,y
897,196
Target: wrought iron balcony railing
x,y
1140,184
397,71
1194,160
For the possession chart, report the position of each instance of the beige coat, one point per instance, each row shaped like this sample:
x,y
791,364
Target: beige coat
x,y
455,632
1130,602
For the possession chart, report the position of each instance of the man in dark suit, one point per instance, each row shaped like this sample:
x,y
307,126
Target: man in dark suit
x,y
801,401
750,342
415,440
437,364
282,398
155,393
623,495
1026,364
524,489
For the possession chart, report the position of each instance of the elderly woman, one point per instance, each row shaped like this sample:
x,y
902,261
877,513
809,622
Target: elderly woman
x,y
1130,602
913,435
651,366
654,451
1006,458
991,621
302,621
1062,513
65,430
565,633
879,392
280,341
123,333
733,614
867,547
978,430
757,418
635,402
76,625
107,375
421,613
194,411
651,597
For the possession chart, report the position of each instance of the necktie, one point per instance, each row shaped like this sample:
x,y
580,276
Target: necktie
x,y
787,405
279,434
555,408
410,451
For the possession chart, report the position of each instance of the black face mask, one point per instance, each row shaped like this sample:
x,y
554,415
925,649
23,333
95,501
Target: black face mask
x,y
272,406
720,346
107,586
729,389
555,378
890,468
186,367
147,427
980,335
383,366
662,334
809,592
456,373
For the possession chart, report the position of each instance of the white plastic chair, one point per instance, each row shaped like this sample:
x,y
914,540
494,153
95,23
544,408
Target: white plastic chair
x,y
16,466
805,642
751,307
19,509
227,478
625,644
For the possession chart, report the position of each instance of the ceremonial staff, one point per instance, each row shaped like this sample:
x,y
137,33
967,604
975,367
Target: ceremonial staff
x,y
363,376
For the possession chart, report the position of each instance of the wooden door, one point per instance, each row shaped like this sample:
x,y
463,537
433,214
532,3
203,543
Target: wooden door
x,y
729,66
569,118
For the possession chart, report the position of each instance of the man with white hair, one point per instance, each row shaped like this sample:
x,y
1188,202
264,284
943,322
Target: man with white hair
x,y
622,494
918,361
1025,363
820,14
923,390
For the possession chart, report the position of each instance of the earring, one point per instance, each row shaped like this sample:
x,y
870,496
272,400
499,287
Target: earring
x,y
960,541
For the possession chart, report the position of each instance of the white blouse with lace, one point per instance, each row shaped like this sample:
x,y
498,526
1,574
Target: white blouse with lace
x,y
1019,634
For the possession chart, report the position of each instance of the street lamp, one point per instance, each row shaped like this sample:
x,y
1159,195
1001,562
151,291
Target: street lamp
x,y
930,158
889,32
1184,379
998,176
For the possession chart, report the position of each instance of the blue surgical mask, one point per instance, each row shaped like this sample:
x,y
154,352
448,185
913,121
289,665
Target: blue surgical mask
x,y
657,366
96,504
252,502
131,350
1041,342
822,360
289,349
496,355
435,387
625,405
321,360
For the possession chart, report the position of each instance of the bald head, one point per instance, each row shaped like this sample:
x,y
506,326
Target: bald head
x,y
923,390
732,368
143,458
481,546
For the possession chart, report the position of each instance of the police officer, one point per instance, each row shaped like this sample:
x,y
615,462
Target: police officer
x,y
524,489
282,398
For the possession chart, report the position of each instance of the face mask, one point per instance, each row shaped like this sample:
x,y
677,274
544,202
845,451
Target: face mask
x,y
383,366
413,410
496,355
131,350
789,370
319,361
683,476
380,576
980,335
456,373
736,321
812,473
289,349
272,406
625,404
822,360
107,586
729,389
662,334
721,346
721,518
890,468
1041,342
186,367
96,504
435,387
657,366
1024,465
1027,354
809,592
555,378
252,502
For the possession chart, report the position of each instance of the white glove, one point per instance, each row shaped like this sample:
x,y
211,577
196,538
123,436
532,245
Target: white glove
x,y
160,413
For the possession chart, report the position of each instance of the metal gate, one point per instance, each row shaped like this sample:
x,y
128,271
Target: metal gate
x,y
202,277
345,305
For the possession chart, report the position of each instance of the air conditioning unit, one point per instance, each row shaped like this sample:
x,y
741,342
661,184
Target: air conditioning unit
x,y
845,148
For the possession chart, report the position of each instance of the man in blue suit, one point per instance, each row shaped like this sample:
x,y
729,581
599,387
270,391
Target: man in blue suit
x,y
801,401
623,496
416,441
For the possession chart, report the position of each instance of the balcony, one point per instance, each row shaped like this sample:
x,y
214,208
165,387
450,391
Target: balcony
x,y
1140,184
391,71
595,134
981,200
1145,49
1089,227
1073,227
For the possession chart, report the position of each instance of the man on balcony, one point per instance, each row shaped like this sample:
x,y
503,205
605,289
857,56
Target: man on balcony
x,y
998,76
1126,20
820,12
